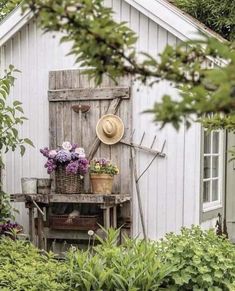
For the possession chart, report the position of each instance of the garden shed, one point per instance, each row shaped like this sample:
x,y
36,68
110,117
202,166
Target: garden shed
x,y
174,191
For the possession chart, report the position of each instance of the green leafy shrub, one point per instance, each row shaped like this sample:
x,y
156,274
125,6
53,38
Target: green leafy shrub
x,y
192,260
217,15
131,266
204,261
23,268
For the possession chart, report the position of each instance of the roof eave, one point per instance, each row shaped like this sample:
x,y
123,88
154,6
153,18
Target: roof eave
x,y
174,20
12,23
162,12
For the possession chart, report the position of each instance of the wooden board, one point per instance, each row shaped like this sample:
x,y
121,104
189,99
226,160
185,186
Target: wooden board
x,y
72,198
71,87
89,198
84,94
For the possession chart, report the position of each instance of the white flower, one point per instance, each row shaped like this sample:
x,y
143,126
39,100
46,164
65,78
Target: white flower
x,y
52,153
71,8
90,232
80,151
66,145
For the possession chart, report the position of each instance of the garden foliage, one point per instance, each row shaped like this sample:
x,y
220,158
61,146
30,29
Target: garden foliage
x,y
7,6
11,117
217,15
107,47
193,260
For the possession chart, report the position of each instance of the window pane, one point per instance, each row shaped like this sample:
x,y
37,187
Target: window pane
x,y
215,142
206,191
207,142
215,166
215,190
207,167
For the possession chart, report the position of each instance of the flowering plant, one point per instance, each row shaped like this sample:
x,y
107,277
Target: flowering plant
x,y
10,229
70,155
103,166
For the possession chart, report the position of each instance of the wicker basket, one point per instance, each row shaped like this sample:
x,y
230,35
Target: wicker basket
x,y
82,222
68,183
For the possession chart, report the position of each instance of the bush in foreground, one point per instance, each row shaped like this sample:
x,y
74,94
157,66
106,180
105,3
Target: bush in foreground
x,y
193,260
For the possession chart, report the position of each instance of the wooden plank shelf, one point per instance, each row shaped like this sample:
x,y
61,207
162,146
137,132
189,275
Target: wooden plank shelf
x,y
89,198
113,199
108,204
39,198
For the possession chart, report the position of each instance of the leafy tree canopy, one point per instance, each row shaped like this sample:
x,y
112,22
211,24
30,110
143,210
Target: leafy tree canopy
x,y
107,47
6,6
216,14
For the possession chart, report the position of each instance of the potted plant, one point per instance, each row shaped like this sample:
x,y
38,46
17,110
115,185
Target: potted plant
x,y
101,174
70,165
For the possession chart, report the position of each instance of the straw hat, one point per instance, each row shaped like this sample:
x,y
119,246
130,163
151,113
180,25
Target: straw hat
x,y
110,129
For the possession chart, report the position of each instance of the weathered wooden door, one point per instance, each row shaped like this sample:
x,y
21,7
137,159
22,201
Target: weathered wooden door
x,y
70,88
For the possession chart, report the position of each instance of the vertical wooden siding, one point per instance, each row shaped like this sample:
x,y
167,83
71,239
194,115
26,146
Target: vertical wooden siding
x,y
170,189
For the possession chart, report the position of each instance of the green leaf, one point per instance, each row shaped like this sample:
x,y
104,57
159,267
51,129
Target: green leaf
x,y
22,150
28,141
16,103
15,132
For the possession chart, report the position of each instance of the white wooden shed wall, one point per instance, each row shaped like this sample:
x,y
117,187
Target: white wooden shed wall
x,y
170,189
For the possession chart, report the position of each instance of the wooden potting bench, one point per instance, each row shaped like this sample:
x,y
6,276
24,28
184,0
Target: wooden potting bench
x,y
40,202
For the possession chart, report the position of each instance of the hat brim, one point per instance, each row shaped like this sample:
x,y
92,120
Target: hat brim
x,y
120,130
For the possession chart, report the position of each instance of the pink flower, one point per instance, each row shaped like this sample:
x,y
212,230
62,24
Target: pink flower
x,y
80,152
52,153
66,145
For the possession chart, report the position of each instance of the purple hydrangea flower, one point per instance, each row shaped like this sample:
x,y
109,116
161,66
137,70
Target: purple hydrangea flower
x,y
72,167
70,155
45,152
79,166
74,156
83,166
52,154
63,156
74,146
50,165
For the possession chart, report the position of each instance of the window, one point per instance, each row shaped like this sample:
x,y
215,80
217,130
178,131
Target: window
x,y
213,159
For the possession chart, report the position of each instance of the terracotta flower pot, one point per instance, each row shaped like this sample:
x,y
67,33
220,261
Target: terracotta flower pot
x,y
101,183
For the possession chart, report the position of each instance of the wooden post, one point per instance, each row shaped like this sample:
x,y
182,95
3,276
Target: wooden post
x,y
40,230
106,213
114,217
31,224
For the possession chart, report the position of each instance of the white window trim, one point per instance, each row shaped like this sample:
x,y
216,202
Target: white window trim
x,y
209,206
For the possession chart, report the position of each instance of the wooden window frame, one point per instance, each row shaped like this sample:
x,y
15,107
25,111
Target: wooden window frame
x,y
218,204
